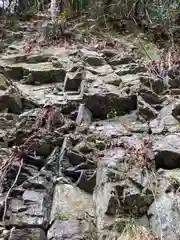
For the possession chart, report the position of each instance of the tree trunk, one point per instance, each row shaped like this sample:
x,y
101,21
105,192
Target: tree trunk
x,y
53,11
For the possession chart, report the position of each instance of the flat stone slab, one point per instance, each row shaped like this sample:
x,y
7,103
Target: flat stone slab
x,y
109,129
69,202
67,230
45,95
43,72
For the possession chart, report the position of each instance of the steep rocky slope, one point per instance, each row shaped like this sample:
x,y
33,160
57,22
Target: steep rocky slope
x,y
89,146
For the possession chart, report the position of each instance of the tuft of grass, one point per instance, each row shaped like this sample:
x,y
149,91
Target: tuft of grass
x,y
168,67
134,231
128,229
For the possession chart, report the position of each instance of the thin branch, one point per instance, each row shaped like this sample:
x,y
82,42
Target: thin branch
x,y
12,186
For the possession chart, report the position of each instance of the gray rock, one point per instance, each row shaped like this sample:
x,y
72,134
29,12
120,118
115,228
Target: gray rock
x,y
42,72
87,180
31,211
84,175
167,151
8,120
71,230
130,68
84,115
174,81
95,60
111,78
168,181
27,233
164,216
156,84
109,128
69,202
3,82
4,233
130,83
37,58
145,110
15,72
73,80
165,124
128,197
50,30
34,161
90,77
170,106
176,111
92,57
42,181
167,119
120,189
52,162
144,221
121,58
2,198
109,52
100,70
149,96
102,100
75,158
11,100
42,143
66,230
139,127
136,200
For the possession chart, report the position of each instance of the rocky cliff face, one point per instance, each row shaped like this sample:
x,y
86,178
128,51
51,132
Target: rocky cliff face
x,y
89,146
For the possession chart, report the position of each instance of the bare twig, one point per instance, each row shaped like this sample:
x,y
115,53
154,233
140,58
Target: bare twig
x,y
9,191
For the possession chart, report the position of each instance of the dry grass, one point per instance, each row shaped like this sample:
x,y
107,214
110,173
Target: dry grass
x,y
166,68
133,231
128,229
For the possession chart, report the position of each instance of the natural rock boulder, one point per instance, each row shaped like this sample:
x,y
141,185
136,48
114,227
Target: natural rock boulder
x,y
73,80
91,57
11,100
164,216
29,211
121,58
149,96
100,70
156,84
106,98
3,82
109,129
168,181
71,230
111,78
167,151
165,124
167,119
122,189
130,68
27,233
145,110
35,72
67,230
69,203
